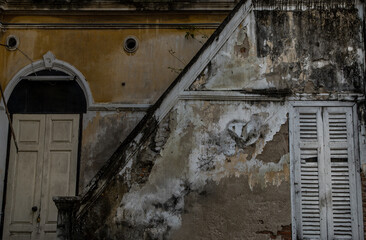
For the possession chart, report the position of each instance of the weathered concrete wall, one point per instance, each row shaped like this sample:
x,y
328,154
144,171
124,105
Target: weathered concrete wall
x,y
199,150
295,51
217,169
102,133
230,210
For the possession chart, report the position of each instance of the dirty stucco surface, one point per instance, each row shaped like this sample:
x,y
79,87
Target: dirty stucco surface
x,y
230,210
102,133
313,51
194,155
220,170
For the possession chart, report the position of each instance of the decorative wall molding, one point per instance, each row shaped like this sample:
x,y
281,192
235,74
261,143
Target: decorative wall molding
x,y
354,97
49,59
239,96
112,6
227,96
108,25
303,5
118,107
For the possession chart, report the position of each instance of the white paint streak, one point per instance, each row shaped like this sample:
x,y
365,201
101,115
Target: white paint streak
x,y
206,126
320,63
276,116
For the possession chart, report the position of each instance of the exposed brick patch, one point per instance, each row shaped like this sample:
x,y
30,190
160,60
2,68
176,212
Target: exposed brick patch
x,y
284,233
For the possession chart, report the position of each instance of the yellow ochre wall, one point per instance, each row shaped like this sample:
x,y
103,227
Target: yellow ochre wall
x,y
99,55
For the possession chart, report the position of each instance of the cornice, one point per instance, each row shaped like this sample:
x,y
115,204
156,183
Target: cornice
x,y
268,96
80,7
113,7
301,5
108,25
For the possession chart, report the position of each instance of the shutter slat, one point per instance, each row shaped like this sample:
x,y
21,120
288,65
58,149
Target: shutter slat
x,y
336,151
306,127
337,174
308,173
310,192
310,216
309,166
340,194
339,166
337,124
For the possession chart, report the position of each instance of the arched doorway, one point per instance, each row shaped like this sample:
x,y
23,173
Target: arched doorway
x,y
46,107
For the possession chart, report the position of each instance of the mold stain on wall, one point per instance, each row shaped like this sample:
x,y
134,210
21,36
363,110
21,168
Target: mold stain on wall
x,y
301,51
101,135
210,143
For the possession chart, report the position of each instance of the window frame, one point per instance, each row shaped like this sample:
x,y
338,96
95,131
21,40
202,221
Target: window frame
x,y
356,127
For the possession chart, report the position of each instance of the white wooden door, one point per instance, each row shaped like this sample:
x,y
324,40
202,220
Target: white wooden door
x,y
45,166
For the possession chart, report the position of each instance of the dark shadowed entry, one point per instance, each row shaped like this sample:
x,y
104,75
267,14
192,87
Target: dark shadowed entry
x,y
60,95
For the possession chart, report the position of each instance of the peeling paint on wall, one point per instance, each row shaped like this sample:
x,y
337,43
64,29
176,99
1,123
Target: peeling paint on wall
x,y
204,147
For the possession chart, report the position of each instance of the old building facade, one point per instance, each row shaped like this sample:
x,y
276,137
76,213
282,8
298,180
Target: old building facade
x,y
89,71
260,136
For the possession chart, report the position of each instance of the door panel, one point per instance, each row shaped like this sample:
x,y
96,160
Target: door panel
x,y
21,236
45,166
24,197
60,165
24,177
58,181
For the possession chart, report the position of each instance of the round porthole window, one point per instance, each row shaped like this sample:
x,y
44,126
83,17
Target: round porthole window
x,y
130,45
12,42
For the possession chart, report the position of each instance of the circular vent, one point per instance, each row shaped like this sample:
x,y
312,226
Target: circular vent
x,y
130,44
12,42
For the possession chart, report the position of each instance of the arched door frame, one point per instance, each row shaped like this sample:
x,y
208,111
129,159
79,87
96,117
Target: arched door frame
x,y
48,62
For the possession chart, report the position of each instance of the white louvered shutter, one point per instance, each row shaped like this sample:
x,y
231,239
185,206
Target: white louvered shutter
x,y
339,149
308,179
324,173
